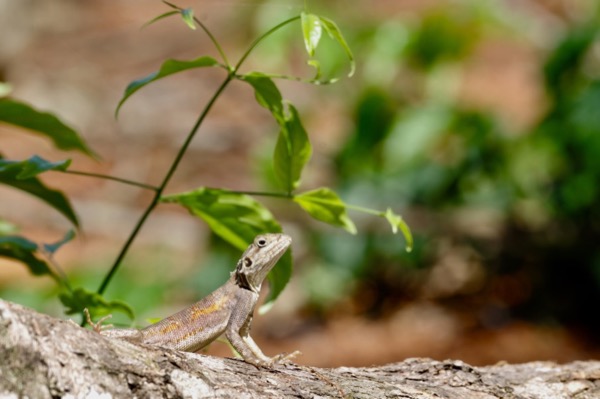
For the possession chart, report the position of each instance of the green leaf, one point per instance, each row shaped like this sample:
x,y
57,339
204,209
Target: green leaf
x,y
7,228
23,250
22,115
161,16
266,92
10,175
292,151
278,278
238,219
5,89
325,205
188,17
334,32
77,300
52,248
317,65
33,166
397,222
311,30
169,67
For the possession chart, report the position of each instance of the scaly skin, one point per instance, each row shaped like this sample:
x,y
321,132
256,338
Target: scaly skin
x,y
228,309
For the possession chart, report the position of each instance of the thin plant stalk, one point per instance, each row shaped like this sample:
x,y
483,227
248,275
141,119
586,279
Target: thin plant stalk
x,y
159,190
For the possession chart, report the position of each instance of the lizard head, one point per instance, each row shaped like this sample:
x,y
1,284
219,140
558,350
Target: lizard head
x,y
258,260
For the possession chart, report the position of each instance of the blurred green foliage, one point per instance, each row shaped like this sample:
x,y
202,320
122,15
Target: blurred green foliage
x,y
455,170
416,145
234,216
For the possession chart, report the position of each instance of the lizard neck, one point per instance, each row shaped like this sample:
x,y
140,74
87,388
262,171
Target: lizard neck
x,y
241,280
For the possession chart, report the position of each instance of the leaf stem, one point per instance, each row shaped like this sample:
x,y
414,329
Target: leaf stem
x,y
291,196
365,210
58,274
214,41
261,38
208,33
262,194
163,185
108,177
301,80
159,190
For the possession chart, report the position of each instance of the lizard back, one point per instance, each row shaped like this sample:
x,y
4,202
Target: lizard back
x,y
206,319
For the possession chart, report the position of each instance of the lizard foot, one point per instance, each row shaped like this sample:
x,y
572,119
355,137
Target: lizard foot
x,y
272,361
98,327
284,357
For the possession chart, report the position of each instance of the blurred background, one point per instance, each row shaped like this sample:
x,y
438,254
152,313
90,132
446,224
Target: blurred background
x,y
478,121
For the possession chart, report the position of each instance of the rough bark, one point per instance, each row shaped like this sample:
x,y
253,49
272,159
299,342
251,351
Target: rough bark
x,y
43,357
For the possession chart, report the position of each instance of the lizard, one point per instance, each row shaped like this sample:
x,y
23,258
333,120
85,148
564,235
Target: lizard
x,y
227,310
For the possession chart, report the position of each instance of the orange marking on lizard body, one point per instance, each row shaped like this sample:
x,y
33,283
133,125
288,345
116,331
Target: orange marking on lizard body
x,y
198,312
163,330
192,333
170,327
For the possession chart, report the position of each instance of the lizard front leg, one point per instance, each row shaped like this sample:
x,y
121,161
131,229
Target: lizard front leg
x,y
280,358
250,352
238,332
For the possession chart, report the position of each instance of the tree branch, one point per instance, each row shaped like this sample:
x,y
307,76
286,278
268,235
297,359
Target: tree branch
x,y
43,357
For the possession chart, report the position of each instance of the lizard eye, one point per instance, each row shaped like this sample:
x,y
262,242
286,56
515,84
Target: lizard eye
x,y
247,262
261,242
